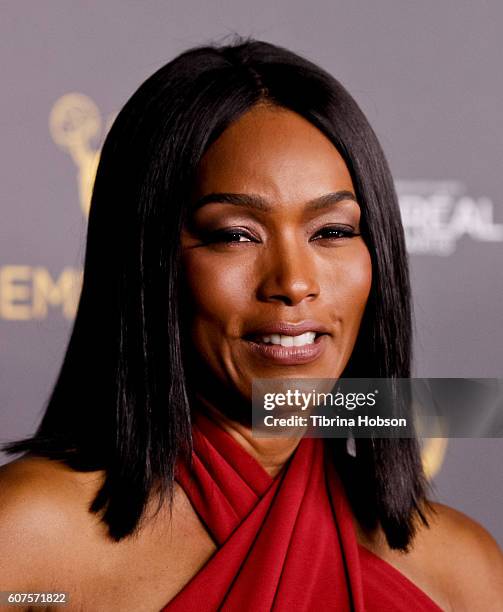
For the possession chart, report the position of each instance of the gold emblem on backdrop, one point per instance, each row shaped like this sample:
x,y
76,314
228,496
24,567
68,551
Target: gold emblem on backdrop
x,y
76,126
29,292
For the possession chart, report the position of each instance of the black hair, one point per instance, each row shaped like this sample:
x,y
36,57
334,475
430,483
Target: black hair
x,y
121,402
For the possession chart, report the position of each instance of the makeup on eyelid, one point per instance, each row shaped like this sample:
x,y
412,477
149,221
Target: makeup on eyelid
x,y
205,225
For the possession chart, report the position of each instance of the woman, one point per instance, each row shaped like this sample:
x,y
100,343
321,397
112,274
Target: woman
x,y
242,201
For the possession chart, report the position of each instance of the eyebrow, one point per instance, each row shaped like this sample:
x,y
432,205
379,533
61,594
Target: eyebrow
x,y
259,203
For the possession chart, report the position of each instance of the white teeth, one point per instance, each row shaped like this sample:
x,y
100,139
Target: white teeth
x,y
306,338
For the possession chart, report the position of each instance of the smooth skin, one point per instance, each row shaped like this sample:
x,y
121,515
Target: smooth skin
x,y
243,266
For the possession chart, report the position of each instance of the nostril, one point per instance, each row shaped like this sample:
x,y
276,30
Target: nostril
x,y
282,298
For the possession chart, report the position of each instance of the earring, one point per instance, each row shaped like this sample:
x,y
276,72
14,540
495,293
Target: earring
x,y
351,446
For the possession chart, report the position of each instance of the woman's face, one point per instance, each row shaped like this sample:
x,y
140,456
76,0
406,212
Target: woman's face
x,y
276,271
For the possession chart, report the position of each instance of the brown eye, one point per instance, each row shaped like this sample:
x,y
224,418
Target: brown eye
x,y
334,232
229,235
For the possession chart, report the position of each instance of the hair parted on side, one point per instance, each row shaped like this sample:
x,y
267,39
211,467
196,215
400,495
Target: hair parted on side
x,y
121,403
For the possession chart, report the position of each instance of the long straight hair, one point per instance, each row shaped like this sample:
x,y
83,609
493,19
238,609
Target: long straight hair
x,y
121,402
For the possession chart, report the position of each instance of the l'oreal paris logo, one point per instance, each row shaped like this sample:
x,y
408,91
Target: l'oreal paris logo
x,y
436,214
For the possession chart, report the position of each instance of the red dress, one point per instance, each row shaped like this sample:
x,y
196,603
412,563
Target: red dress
x,y
284,544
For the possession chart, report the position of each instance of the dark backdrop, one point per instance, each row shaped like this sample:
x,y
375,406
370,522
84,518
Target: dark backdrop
x,y
427,74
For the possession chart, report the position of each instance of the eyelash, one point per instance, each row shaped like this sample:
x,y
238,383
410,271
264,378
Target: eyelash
x,y
225,235
346,232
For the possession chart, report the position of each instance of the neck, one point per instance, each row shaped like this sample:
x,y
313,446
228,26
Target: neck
x,y
271,453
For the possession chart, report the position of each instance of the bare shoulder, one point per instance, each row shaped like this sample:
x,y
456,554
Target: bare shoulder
x,y
469,557
50,541
449,524
39,488
43,510
454,560
461,560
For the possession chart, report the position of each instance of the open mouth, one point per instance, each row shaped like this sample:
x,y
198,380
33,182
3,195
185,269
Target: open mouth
x,y
284,340
287,350
288,343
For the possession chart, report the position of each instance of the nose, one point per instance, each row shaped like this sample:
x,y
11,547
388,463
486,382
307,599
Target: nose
x,y
288,275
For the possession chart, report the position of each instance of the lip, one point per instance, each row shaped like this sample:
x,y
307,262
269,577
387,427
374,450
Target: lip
x,y
288,355
287,329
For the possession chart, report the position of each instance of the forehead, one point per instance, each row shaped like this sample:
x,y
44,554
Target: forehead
x,y
275,153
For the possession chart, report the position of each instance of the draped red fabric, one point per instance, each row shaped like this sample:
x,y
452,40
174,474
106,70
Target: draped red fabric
x,y
285,543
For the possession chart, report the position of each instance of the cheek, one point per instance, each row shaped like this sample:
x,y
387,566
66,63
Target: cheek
x,y
359,276
217,290
350,284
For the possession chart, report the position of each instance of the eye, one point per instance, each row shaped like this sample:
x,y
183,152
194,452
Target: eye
x,y
230,235
334,232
